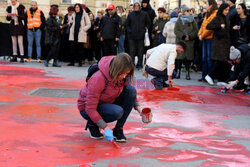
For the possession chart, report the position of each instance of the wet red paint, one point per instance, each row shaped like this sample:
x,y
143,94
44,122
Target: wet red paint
x,y
46,131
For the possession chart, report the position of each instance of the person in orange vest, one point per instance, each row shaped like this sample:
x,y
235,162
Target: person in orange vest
x,y
35,24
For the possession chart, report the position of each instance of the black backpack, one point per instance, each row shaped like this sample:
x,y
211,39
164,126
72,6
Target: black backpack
x,y
93,69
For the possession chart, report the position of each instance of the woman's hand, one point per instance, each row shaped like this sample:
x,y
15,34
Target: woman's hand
x,y
222,26
138,109
236,27
200,38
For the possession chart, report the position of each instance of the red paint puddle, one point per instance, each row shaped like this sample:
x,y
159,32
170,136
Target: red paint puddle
x,y
50,131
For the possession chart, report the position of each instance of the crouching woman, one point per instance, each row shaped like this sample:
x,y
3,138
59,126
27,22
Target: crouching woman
x,y
108,97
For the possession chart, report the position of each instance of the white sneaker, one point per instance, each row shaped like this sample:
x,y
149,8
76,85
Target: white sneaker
x,y
221,83
209,80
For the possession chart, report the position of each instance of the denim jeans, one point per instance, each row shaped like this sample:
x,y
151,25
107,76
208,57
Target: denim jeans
x,y
207,63
121,48
119,110
161,75
30,36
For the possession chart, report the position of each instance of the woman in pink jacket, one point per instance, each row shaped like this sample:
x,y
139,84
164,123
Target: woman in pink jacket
x,y
107,97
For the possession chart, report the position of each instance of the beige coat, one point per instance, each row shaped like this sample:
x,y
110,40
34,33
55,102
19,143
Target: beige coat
x,y
168,32
85,25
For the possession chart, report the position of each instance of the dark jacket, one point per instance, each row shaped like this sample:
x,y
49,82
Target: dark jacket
x,y
234,19
243,35
159,38
136,24
18,29
221,40
151,14
181,31
244,62
43,20
110,26
53,32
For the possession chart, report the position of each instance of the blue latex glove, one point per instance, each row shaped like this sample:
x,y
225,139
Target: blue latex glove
x,y
108,134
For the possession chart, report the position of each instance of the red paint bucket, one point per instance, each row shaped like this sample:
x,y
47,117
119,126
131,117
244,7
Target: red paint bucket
x,y
146,115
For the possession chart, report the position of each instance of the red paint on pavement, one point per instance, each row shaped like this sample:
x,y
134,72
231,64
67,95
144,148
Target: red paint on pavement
x,y
47,131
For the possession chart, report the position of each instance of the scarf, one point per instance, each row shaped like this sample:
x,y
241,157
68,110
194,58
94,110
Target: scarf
x,y
187,19
14,11
174,19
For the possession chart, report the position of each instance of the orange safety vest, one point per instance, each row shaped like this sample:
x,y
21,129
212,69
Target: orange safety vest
x,y
34,22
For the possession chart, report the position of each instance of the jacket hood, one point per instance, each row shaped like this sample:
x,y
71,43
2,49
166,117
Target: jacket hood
x,y
243,49
104,64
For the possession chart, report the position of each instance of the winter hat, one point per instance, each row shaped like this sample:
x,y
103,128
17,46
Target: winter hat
x,y
184,8
137,1
174,14
161,9
233,1
234,53
145,1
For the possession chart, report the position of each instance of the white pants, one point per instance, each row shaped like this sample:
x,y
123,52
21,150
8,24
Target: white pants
x,y
19,38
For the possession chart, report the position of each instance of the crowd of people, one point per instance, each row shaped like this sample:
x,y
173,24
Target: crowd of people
x,y
210,39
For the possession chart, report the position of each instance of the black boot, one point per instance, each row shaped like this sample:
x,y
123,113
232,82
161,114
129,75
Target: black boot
x,y
188,75
55,64
14,59
22,60
178,76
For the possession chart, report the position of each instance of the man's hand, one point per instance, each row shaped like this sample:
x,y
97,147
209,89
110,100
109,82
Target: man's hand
x,y
147,56
108,134
170,81
101,39
187,38
156,28
236,27
222,25
200,38
116,39
158,32
231,84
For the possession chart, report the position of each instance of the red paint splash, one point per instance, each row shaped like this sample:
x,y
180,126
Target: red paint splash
x,y
46,131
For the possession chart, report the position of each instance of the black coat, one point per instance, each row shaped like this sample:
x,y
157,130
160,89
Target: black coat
x,y
234,19
221,40
136,25
151,14
18,29
110,26
244,62
53,32
244,31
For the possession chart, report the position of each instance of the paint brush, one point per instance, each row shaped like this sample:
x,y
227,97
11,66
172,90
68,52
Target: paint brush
x,y
173,88
115,144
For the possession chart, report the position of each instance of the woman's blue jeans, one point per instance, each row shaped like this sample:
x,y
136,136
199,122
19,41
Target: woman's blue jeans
x,y
119,110
207,63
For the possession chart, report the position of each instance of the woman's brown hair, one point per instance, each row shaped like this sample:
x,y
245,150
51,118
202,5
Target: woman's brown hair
x,y
214,6
121,64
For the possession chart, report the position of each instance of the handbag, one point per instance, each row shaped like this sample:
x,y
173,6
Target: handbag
x,y
146,40
87,45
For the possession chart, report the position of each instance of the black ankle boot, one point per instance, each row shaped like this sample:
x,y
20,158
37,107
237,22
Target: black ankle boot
x,y
178,76
14,59
22,60
188,75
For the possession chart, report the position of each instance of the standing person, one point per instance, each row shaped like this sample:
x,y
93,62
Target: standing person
x,y
35,25
206,37
67,23
97,25
107,97
136,25
186,30
122,13
78,34
161,62
110,31
131,8
16,16
146,7
92,39
220,2
168,31
233,18
53,36
220,44
157,36
242,26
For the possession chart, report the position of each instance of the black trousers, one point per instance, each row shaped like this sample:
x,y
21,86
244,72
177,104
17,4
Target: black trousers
x,y
220,71
77,52
109,47
136,49
53,50
98,50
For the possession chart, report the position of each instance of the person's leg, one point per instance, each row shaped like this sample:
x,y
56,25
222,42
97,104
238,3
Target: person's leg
x,y
56,53
140,48
178,67
73,47
209,60
187,66
30,38
38,35
160,77
204,59
20,45
79,54
14,47
132,49
106,48
121,48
